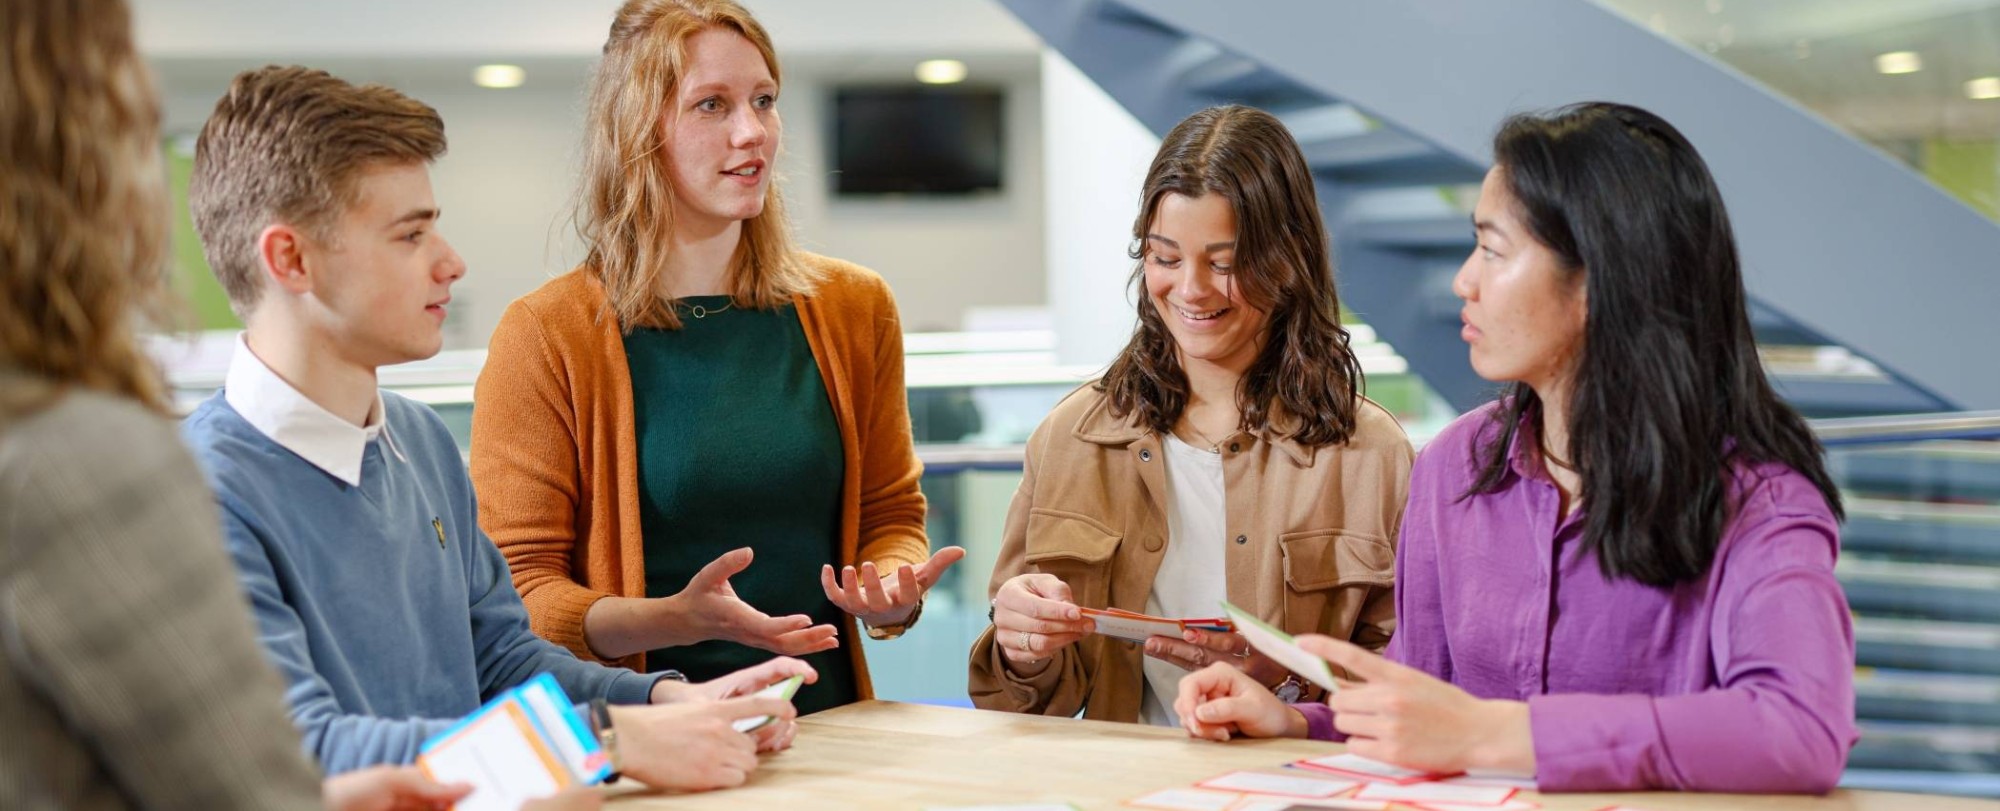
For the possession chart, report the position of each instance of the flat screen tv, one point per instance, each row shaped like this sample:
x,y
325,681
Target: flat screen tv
x,y
917,140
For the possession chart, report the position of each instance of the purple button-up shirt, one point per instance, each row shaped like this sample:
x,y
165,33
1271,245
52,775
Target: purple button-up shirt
x,y
1741,681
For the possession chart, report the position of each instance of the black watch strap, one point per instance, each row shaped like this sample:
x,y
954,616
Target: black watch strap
x,y
600,722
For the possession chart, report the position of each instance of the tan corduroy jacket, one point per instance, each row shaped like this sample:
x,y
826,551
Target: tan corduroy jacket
x,y
556,463
1311,546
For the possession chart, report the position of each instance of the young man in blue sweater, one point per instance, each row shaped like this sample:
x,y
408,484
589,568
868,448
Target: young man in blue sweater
x,y
348,511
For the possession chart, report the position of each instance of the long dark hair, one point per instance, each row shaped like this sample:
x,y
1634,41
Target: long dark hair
x,y
1283,266
1668,394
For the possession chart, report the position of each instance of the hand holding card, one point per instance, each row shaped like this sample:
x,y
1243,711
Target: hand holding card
x,y
1281,648
527,743
784,689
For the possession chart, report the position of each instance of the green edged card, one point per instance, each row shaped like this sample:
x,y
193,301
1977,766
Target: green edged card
x,y
1282,648
784,689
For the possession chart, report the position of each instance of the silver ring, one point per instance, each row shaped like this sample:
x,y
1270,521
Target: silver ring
x,y
1025,644
1245,653
1201,657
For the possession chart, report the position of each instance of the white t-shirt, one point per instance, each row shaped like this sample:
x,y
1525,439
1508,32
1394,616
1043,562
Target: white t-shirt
x,y
1190,582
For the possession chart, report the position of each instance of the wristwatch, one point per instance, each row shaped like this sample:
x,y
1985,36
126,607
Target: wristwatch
x,y
893,631
1291,690
607,737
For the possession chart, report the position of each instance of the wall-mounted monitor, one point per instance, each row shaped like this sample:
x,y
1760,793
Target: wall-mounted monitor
x,y
917,140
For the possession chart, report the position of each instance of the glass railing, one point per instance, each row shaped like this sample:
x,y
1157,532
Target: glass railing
x,y
1919,79
1920,562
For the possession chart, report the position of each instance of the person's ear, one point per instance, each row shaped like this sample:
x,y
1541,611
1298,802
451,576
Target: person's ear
x,y
1579,298
281,254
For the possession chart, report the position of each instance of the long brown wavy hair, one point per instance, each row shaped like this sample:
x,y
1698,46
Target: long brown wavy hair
x,y
83,200
625,208
1283,265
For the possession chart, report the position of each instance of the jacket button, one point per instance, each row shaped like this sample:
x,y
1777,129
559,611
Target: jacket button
x,y
1234,447
1153,543
1242,539
1145,455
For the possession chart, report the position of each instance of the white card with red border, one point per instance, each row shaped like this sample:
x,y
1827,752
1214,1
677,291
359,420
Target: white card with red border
x,y
1187,799
1347,765
1257,803
1417,793
1285,785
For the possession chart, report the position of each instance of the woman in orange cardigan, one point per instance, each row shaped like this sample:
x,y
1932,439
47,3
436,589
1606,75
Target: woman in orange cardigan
x,y
699,391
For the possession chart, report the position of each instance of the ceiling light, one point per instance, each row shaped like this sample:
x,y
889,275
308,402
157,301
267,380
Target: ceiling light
x,y
941,71
499,76
1896,62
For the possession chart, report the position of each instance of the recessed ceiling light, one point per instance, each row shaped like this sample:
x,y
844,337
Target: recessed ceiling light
x,y
941,71
1984,87
499,76
1896,62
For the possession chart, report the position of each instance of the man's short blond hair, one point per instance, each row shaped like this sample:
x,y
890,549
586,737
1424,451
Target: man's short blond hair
x,y
287,144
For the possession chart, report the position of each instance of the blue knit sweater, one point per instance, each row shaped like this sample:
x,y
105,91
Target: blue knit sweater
x,y
386,609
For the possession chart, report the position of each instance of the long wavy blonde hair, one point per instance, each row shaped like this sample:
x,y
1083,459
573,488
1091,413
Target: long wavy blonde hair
x,y
83,200
625,208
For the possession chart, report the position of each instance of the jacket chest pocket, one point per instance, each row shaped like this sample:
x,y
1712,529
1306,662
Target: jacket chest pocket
x,y
1329,575
1077,550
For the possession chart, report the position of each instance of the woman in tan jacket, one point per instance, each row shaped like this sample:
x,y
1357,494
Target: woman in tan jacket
x,y
1226,454
700,392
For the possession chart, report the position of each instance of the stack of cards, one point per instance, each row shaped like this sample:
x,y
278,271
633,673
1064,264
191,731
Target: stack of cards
x,y
1140,627
527,743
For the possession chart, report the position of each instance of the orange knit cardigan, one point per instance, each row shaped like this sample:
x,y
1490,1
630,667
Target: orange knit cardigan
x,y
556,464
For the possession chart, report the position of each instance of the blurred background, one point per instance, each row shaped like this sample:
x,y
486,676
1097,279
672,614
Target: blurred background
x,y
984,156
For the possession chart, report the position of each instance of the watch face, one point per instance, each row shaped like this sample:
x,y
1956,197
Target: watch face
x,y
1290,691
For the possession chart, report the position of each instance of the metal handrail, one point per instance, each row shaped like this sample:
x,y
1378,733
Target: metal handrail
x,y
1840,432
1908,428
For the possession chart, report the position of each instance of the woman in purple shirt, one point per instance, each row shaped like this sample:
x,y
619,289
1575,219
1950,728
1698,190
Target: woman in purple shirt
x,y
1620,575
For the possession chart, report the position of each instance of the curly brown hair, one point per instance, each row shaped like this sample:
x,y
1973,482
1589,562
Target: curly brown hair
x,y
1284,267
83,201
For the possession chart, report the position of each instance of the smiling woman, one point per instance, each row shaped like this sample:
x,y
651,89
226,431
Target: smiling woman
x,y
1226,454
637,416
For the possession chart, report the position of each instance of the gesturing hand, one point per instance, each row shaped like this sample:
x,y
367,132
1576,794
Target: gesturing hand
x,y
880,603
1405,716
709,609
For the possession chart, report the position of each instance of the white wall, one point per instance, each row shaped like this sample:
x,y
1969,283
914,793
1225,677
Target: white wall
x,y
506,184
942,254
1101,154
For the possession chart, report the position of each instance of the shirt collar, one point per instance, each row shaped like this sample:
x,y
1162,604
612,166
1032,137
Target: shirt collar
x,y
1524,454
296,423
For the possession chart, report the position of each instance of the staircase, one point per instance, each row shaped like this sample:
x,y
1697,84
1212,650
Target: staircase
x,y
1395,103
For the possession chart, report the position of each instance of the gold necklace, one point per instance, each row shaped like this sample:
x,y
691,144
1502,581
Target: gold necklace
x,y
1213,446
699,311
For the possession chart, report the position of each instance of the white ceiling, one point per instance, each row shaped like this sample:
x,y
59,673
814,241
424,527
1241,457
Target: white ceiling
x,y
1821,53
1755,22
308,29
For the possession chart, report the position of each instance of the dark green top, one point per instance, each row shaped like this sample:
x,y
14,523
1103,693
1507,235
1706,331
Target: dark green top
x,y
738,447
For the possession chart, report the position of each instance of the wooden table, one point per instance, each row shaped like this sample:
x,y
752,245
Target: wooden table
x,y
886,755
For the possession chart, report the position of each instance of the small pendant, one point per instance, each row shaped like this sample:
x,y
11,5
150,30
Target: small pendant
x,y
699,311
